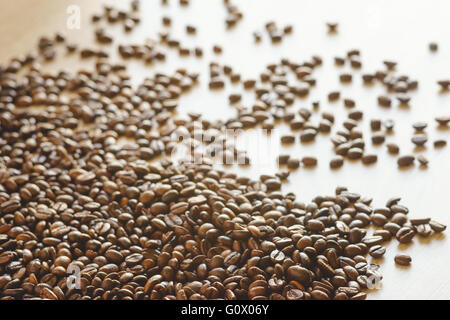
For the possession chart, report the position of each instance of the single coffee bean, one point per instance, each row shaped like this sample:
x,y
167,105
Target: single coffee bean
x,y
403,259
369,158
384,101
419,140
377,251
443,121
393,148
288,139
420,126
405,161
405,235
334,95
433,46
332,27
336,162
437,227
293,163
309,161
440,143
422,160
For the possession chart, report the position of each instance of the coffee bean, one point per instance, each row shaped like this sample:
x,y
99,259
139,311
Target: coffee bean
x,y
375,124
334,95
308,135
339,61
420,126
422,160
444,84
443,121
378,219
419,140
405,161
345,77
293,163
389,124
288,139
294,294
437,227
299,274
217,49
390,65
191,29
423,230
384,101
332,27
405,235
377,251
369,158
336,162
283,159
440,143
403,259
433,46
355,153
393,148
309,161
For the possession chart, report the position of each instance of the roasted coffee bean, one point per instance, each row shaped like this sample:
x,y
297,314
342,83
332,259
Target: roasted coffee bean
x,y
345,77
422,160
283,159
293,163
405,161
433,46
309,161
377,251
437,227
440,143
288,139
444,84
420,126
336,162
299,274
389,124
334,95
369,158
405,235
375,124
384,101
308,135
378,138
393,148
423,230
332,27
443,121
419,140
355,153
403,259
390,64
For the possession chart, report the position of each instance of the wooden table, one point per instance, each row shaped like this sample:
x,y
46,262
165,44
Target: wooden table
x,y
397,30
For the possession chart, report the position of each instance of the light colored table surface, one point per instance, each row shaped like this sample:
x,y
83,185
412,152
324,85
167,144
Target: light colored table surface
x,y
397,30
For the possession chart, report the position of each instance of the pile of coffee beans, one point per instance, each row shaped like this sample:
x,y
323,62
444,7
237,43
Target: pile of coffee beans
x,y
93,207
162,231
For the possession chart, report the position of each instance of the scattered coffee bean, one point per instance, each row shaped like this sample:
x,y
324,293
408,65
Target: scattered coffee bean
x,y
419,139
433,46
440,143
422,160
403,259
405,160
309,161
